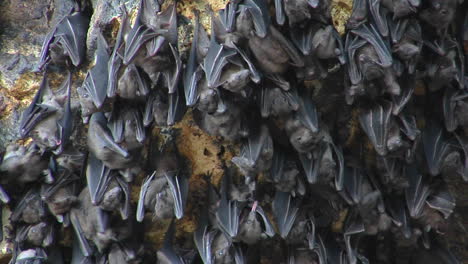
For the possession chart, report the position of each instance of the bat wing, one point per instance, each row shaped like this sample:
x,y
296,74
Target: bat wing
x,y
296,59
83,244
228,16
203,241
285,210
268,226
104,135
409,126
255,75
167,20
379,17
116,125
140,214
442,201
339,178
417,192
277,165
98,178
96,80
115,60
177,107
4,197
307,114
167,254
172,77
400,101
464,146
353,226
65,124
399,215
193,71
449,105
435,146
71,33
371,36
352,44
260,15
353,183
215,61
321,250
125,207
36,112
44,56
227,215
18,211
279,12
178,185
311,165
341,48
375,123
77,254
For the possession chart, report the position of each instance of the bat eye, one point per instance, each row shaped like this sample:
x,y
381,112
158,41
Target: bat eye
x,y
443,12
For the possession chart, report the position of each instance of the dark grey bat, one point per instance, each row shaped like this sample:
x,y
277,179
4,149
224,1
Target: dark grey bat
x,y
401,8
277,102
358,15
31,209
49,118
22,164
407,42
40,234
193,71
156,109
102,144
285,174
203,238
165,191
132,84
224,25
256,154
279,12
399,214
442,201
66,39
285,209
353,227
167,254
439,14
94,88
417,192
449,105
260,16
78,257
442,70
30,256
251,228
115,60
379,17
228,211
436,147
177,106
375,123
297,11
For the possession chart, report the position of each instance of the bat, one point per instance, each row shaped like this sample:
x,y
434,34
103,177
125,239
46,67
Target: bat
x,y
352,45
376,122
177,108
67,38
353,185
311,164
139,35
307,114
29,256
417,192
115,60
167,254
353,226
256,153
165,190
302,38
132,84
255,75
98,177
464,146
65,123
193,71
78,256
214,62
442,201
277,102
379,16
156,109
372,37
101,143
96,80
22,164
203,238
409,126
400,101
251,227
30,209
324,43
298,12
436,147
285,210
172,77
358,15
439,14
259,12
228,211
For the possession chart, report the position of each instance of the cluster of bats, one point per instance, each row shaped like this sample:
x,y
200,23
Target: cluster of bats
x,y
306,195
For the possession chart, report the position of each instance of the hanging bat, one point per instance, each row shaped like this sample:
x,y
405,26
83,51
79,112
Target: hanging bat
x,y
285,174
78,256
436,147
66,39
259,13
31,209
49,118
353,227
94,88
30,256
277,102
107,190
375,122
251,228
417,192
285,209
298,12
379,17
22,164
40,234
132,84
115,60
442,201
156,109
358,15
256,154
228,212
102,144
439,14
167,254
165,191
401,8
193,71
177,107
